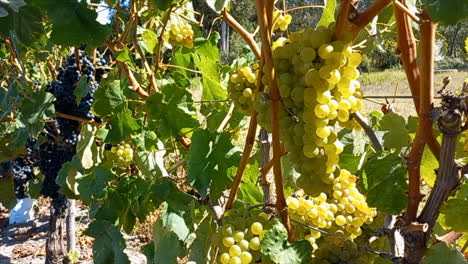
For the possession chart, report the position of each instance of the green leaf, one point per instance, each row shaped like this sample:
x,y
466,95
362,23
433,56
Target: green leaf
x,y
172,111
175,222
429,164
37,109
211,155
109,99
86,150
276,247
67,177
125,56
386,16
163,5
166,244
82,88
8,197
206,59
447,12
396,135
386,180
108,243
200,249
26,25
166,191
439,253
93,185
328,15
150,40
217,5
122,125
73,23
148,250
456,210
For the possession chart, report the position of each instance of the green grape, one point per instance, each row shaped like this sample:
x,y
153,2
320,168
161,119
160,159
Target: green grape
x,y
225,258
244,244
238,236
321,111
241,85
235,251
254,243
323,132
180,35
325,51
228,241
257,228
121,155
235,260
308,54
246,257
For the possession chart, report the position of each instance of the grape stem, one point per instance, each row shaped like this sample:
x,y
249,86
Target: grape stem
x,y
265,21
79,119
303,7
370,133
242,32
167,16
226,119
148,70
426,93
408,53
249,141
403,8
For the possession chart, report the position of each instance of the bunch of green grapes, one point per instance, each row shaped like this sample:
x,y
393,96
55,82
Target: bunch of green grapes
x,y
241,88
281,21
335,250
180,34
121,154
317,80
344,210
242,233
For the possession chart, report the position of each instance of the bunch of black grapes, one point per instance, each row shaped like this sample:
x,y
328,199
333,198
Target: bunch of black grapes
x,y
61,134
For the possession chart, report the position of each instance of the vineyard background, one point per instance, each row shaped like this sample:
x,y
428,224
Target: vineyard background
x,y
175,106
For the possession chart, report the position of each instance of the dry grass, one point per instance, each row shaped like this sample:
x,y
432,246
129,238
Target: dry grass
x,y
384,83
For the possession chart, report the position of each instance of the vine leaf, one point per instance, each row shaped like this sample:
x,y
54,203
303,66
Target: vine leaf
x,y
396,135
456,210
386,183
206,59
26,25
93,185
200,249
108,243
67,178
163,5
73,23
440,253
122,124
217,5
328,15
447,12
150,40
211,156
36,109
166,244
109,98
7,190
277,249
171,112
428,166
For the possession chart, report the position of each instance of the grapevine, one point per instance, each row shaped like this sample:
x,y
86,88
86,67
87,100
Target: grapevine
x,y
137,109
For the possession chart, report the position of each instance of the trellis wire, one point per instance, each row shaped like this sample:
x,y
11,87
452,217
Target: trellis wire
x,y
381,254
364,97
